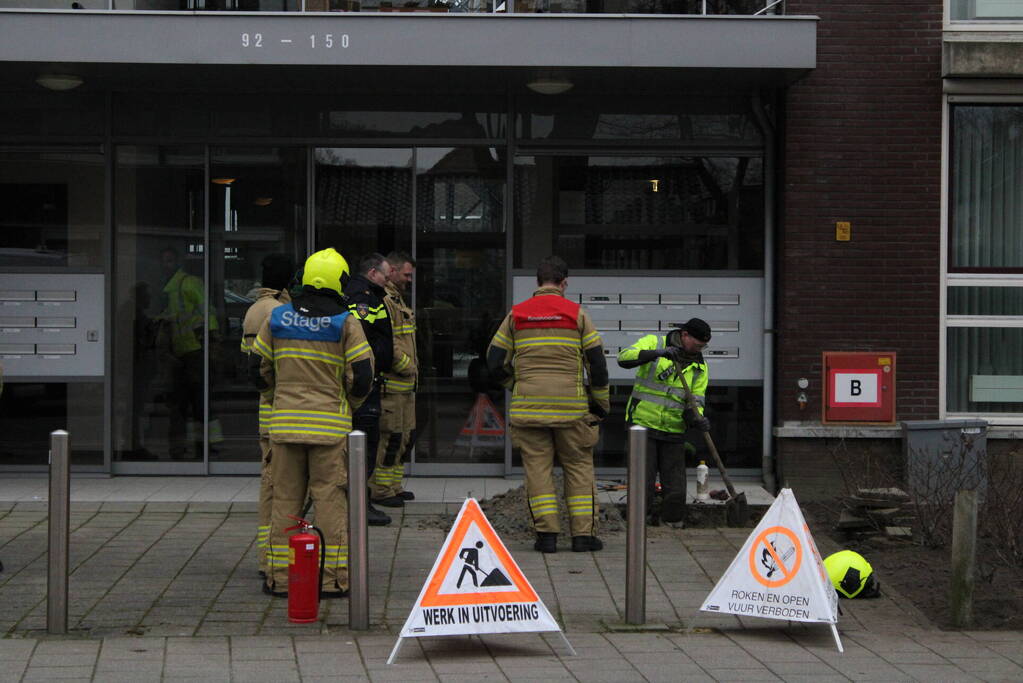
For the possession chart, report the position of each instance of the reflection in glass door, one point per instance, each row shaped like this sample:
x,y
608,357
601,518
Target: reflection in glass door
x,y
257,210
159,305
460,301
365,202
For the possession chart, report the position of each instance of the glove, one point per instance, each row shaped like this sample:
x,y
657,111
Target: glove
x,y
673,353
696,421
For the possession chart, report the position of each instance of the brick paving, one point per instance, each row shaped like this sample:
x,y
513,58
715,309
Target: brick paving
x,y
168,591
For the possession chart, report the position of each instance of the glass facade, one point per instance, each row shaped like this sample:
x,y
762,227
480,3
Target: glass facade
x,y
641,213
180,231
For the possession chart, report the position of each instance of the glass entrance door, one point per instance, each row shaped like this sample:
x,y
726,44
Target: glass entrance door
x,y
444,206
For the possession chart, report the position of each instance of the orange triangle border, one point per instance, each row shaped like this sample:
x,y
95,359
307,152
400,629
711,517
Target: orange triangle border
x,y
432,597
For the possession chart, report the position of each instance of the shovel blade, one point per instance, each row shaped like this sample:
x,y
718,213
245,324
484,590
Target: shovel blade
x,y
737,510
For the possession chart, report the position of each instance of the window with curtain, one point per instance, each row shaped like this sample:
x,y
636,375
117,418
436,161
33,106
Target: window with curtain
x,y
985,320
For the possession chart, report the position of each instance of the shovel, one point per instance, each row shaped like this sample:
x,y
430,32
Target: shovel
x,y
736,507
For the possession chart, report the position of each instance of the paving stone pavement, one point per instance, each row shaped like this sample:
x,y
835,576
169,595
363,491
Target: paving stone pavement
x,y
168,591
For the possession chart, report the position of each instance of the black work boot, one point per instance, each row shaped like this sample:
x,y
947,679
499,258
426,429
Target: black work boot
x,y
546,542
375,517
391,502
586,544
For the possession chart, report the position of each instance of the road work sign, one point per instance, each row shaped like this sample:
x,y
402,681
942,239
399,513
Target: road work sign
x,y
475,587
778,574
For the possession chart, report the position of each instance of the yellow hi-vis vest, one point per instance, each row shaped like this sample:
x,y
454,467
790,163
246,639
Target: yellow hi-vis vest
x,y
259,312
658,399
546,337
307,363
404,367
185,301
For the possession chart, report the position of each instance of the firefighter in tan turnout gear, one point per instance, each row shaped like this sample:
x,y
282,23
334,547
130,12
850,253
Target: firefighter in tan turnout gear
x,y
544,351
316,367
398,391
278,270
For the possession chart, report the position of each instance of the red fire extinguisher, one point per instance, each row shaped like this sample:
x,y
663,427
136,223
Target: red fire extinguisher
x,y
304,580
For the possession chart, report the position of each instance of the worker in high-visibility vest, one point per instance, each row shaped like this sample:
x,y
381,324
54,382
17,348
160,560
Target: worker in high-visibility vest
x,y
181,332
278,269
398,388
544,351
658,402
315,368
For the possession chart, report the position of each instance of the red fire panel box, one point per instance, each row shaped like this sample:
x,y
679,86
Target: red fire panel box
x,y
859,386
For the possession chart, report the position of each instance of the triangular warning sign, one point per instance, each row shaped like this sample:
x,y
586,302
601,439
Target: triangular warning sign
x,y
483,420
476,587
778,573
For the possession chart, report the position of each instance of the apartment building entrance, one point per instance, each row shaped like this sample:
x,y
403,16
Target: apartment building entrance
x,y
445,206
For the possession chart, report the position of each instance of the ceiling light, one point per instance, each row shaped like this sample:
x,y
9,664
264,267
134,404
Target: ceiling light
x,y
550,86
59,81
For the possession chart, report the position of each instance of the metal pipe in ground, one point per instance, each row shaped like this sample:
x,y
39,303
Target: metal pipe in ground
x,y
635,546
58,529
358,534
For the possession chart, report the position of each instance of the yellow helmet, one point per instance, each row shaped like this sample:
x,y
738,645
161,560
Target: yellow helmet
x,y
851,575
326,269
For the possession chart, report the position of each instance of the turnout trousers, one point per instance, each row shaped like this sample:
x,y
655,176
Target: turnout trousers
x,y
324,470
397,420
266,497
573,446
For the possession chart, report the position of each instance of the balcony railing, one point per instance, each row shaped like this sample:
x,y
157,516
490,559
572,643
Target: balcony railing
x,y
676,7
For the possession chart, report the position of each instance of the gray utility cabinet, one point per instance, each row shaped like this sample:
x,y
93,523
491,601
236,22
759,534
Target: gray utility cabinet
x,y
944,456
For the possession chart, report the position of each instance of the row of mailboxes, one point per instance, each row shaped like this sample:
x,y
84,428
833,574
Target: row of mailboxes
x,y
716,326
20,349
38,295
17,322
657,304
660,299
51,326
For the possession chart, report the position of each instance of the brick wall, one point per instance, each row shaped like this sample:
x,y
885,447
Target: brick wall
x,y
862,143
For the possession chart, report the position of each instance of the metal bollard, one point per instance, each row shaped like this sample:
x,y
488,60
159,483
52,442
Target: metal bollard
x,y
58,527
635,544
358,534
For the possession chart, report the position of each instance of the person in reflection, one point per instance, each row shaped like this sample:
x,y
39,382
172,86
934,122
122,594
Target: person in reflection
x,y
278,270
181,335
544,351
143,332
398,388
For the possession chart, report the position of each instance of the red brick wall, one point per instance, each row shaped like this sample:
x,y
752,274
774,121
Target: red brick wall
x,y
862,143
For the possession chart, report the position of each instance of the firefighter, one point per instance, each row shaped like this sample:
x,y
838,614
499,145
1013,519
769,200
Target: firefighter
x,y
365,294
315,367
543,351
658,403
398,388
278,269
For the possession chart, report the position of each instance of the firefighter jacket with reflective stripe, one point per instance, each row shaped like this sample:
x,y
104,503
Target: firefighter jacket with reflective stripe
x,y
366,301
546,338
184,312
404,366
658,399
307,364
266,300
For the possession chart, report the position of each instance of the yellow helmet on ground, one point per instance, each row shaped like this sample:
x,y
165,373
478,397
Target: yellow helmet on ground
x,y
851,575
326,269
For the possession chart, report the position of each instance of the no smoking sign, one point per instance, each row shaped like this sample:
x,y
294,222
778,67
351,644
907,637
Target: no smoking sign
x,y
775,557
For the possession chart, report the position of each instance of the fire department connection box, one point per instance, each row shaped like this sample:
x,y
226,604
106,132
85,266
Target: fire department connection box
x,y
859,387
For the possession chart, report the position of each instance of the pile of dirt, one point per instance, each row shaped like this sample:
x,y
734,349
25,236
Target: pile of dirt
x,y
923,575
509,514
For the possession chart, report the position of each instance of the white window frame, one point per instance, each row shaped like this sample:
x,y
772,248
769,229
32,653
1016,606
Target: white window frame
x,y
966,279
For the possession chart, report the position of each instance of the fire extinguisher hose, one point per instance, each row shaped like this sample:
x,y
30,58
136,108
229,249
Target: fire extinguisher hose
x,y
323,557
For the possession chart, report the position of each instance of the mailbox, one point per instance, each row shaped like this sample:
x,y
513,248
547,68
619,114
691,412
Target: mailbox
x,y
859,387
